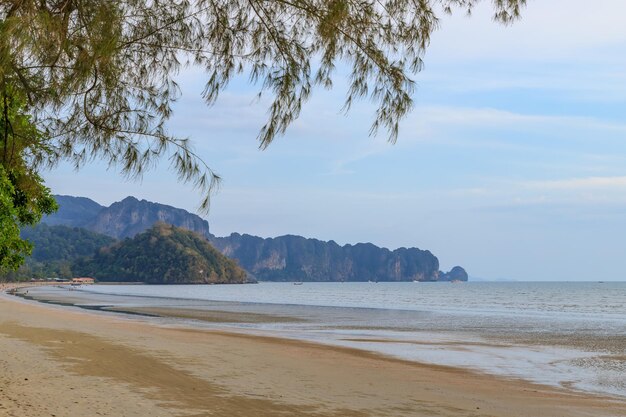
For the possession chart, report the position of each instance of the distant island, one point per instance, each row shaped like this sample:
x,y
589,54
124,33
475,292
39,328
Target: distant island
x,y
74,241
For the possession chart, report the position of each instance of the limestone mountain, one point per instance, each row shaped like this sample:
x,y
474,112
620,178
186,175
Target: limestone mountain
x,y
124,218
284,258
131,216
73,211
456,274
289,258
163,254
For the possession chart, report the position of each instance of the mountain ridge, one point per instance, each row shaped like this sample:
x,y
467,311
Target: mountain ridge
x,y
73,211
125,218
293,257
282,258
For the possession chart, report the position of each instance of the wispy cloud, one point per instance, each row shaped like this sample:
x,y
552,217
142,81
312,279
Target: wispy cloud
x,y
549,30
486,118
562,81
503,193
589,183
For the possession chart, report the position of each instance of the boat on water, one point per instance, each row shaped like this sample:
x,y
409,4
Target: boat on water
x,y
298,283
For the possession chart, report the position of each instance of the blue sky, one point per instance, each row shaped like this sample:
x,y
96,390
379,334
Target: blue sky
x,y
513,163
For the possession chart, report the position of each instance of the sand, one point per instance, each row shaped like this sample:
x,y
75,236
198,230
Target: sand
x,y
57,361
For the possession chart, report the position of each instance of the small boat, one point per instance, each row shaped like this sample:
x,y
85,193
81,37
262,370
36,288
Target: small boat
x,y
298,283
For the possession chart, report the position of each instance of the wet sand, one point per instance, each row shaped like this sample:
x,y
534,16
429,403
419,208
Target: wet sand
x,y
61,362
211,316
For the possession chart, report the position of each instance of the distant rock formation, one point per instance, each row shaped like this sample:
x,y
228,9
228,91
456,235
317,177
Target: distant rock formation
x,y
131,216
456,274
124,218
73,211
163,254
284,258
289,258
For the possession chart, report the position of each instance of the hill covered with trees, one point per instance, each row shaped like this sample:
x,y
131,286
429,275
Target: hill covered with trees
x,y
63,243
164,254
55,250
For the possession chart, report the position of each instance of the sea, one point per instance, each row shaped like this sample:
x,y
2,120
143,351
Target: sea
x,y
566,334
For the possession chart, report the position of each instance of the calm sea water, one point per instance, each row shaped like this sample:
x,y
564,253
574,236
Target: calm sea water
x,y
567,334
550,299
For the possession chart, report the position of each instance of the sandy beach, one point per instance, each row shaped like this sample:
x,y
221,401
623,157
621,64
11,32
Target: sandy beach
x,y
61,362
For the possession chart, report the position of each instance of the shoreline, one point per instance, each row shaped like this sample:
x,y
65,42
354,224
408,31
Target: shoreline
x,y
552,354
160,371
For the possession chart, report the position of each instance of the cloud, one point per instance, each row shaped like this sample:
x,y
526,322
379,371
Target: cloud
x,y
513,134
491,117
595,83
589,183
596,193
549,30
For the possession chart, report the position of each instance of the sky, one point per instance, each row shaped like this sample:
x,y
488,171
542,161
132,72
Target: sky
x,y
512,164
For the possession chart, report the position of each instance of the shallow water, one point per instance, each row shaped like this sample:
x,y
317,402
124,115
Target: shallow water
x,y
566,334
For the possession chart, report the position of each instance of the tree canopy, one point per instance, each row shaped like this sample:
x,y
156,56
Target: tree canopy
x,y
55,249
163,254
96,79
23,197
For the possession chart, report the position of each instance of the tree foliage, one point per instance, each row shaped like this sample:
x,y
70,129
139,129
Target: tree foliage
x,y
163,254
99,75
12,248
55,248
23,197
84,80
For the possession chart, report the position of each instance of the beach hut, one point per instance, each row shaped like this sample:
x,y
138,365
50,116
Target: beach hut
x,y
83,280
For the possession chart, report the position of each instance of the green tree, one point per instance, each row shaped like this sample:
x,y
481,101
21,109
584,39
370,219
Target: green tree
x,y
12,248
23,196
98,76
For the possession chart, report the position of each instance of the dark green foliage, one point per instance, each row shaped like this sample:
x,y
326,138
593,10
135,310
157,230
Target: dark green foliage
x,y
163,254
24,198
63,243
12,248
55,249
